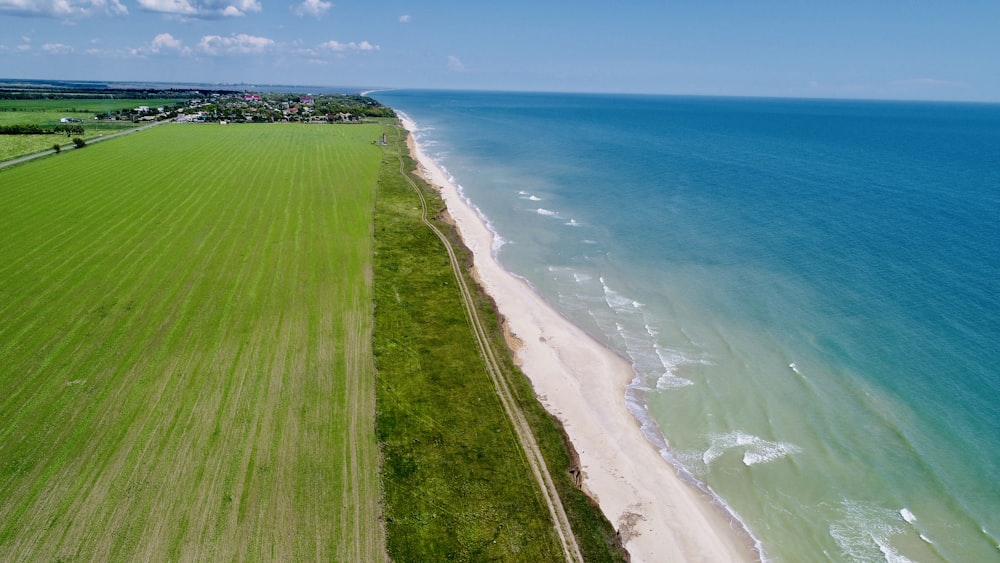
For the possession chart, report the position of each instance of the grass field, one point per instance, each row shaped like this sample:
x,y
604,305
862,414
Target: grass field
x,y
77,107
185,356
47,113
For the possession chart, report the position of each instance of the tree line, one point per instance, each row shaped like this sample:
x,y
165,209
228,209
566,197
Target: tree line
x,y
35,129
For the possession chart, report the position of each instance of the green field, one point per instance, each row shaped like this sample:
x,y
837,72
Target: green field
x,y
77,107
47,113
185,355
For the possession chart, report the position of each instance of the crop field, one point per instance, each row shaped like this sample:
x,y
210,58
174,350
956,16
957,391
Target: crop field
x,y
83,108
47,113
185,348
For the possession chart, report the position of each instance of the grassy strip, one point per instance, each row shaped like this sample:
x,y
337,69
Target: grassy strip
x,y
185,351
455,481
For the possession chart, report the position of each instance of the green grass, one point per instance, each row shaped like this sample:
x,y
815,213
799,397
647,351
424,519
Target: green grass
x,y
47,113
457,486
185,354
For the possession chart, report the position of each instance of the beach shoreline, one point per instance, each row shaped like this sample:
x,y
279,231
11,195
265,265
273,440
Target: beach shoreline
x,y
583,383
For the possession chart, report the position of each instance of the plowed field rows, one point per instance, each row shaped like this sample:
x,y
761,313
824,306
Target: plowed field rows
x,y
185,356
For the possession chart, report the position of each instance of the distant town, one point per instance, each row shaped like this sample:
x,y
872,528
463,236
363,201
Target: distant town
x,y
260,108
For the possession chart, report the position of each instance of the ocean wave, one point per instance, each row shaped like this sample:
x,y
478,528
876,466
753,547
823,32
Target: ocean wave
x,y
548,213
905,514
756,450
616,300
668,381
671,361
636,333
865,531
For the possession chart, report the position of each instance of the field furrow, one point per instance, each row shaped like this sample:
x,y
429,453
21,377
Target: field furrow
x,y
183,348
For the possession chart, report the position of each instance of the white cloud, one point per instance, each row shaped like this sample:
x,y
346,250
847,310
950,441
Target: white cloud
x,y
314,8
339,47
201,8
405,18
455,64
162,44
242,44
62,8
57,49
165,41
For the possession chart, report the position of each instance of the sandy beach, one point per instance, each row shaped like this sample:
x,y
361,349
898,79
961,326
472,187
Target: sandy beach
x,y
583,383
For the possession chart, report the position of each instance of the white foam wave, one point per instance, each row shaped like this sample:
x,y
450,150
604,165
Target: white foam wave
x,y
865,532
926,539
534,198
794,368
636,333
670,361
572,223
616,300
547,212
905,514
669,381
756,450
498,240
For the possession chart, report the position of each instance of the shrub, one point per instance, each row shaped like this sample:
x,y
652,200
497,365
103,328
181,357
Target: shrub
x,y
56,148
80,143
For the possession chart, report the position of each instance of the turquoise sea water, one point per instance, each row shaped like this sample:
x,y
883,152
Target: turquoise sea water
x,y
808,292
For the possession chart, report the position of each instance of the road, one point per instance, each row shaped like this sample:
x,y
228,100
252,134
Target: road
x,y
521,428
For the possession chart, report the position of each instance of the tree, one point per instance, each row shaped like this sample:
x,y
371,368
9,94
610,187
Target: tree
x,y
80,143
56,148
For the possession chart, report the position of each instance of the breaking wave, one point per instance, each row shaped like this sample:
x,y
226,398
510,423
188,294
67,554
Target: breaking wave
x,y
755,449
865,531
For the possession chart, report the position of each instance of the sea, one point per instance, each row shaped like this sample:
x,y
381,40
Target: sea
x,y
808,292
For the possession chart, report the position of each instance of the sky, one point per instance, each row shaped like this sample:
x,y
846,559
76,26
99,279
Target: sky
x,y
877,49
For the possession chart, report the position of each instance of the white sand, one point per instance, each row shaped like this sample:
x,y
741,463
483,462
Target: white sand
x,y
583,383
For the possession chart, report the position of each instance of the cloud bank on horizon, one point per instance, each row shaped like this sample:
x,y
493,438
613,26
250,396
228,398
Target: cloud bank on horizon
x,y
777,48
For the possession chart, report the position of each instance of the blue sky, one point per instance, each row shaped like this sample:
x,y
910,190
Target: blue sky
x,y
802,48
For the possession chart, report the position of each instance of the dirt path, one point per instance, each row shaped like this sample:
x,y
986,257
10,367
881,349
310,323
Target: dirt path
x,y
521,428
